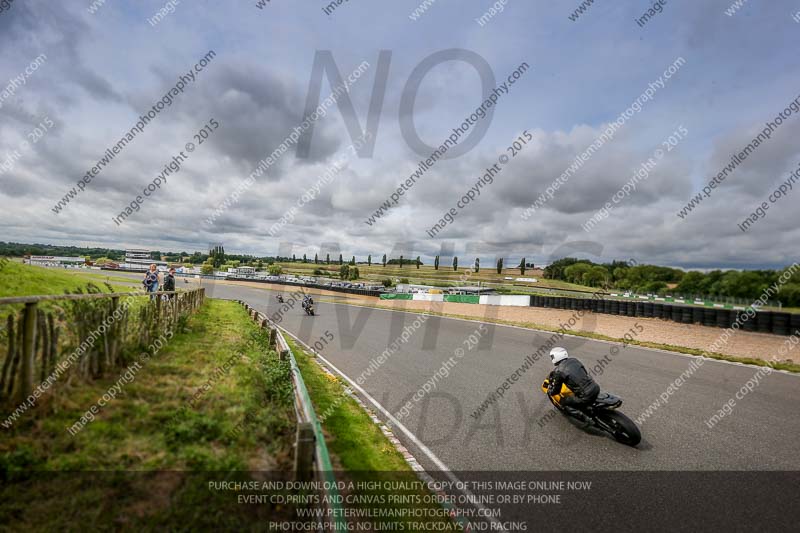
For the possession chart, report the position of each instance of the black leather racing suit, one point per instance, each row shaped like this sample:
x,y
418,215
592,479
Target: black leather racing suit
x,y
584,388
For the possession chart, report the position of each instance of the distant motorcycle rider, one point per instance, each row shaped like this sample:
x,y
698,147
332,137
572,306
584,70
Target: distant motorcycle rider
x,y
280,298
307,300
571,372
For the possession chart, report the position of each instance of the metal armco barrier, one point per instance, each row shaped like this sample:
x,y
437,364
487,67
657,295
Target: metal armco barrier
x,y
776,322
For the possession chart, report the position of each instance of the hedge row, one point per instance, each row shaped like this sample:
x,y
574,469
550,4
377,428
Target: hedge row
x,y
779,323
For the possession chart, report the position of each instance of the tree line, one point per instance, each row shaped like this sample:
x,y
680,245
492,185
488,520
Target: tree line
x,y
662,281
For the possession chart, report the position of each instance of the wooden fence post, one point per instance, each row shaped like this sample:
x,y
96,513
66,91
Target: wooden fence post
x,y
273,337
304,452
115,328
28,347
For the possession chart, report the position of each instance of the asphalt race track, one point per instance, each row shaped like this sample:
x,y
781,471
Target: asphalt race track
x,y
516,433
759,434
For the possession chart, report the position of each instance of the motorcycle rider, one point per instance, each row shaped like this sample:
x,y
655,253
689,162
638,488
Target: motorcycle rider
x,y
280,298
307,300
571,372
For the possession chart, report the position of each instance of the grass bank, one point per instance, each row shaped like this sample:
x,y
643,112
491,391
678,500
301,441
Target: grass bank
x,y
17,279
213,402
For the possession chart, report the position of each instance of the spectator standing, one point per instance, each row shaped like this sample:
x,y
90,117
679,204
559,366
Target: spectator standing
x,y
150,280
169,282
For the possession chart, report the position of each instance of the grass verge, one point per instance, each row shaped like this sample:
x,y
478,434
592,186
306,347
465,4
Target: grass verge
x,y
212,404
17,279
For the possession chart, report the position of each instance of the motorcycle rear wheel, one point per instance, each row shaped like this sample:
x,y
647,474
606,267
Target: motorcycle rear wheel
x,y
624,429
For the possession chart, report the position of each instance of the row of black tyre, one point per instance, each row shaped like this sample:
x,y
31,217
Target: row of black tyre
x,y
779,323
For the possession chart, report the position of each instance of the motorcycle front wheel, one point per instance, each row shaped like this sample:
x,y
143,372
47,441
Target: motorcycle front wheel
x,y
623,429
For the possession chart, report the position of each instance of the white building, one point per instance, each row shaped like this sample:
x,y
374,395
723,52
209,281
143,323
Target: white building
x,y
136,259
245,272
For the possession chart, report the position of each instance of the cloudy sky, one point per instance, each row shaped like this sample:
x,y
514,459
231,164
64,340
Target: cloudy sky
x,y
103,70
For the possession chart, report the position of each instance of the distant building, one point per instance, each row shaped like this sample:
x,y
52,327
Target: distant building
x,y
244,272
53,260
136,259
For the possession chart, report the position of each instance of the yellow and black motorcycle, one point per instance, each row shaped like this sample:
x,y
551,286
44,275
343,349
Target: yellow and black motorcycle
x,y
603,414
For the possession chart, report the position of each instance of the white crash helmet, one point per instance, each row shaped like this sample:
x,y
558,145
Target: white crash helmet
x,y
558,354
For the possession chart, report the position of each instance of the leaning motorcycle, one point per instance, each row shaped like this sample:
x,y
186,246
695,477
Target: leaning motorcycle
x,y
309,308
603,414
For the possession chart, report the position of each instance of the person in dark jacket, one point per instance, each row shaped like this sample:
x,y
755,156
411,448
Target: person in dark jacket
x,y
169,282
571,372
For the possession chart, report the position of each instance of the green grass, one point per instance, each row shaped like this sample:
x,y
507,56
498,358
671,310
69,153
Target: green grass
x,y
17,279
244,422
353,437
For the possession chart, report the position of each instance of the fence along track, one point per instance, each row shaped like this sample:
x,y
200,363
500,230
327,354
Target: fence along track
x,y
97,329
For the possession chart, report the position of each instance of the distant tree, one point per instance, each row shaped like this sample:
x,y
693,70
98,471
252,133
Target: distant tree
x,y
294,259
304,259
477,264
436,263
354,274
522,267
328,259
555,270
596,276
207,269
259,265
353,261
500,266
316,259
384,260
275,270
574,273
419,262
387,283
344,272
455,263
369,260
341,261
217,255
401,261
